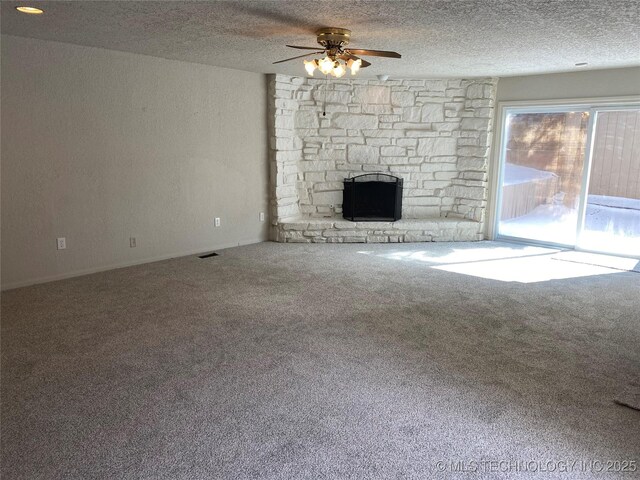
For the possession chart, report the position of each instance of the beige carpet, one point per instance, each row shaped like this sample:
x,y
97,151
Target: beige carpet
x,y
323,361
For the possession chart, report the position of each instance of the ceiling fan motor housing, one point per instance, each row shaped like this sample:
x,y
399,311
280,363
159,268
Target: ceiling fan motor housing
x,y
332,37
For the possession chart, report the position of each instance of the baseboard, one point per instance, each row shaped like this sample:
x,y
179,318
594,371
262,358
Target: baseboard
x,y
104,268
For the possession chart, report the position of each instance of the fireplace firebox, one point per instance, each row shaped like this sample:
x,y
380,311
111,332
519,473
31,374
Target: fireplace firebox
x,y
372,197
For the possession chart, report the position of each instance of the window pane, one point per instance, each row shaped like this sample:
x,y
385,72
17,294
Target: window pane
x,y
612,217
543,163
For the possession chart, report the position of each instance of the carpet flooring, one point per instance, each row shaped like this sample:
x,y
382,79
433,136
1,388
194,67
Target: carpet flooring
x,y
292,361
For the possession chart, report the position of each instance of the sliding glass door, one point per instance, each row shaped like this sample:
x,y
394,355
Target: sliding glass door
x,y
569,176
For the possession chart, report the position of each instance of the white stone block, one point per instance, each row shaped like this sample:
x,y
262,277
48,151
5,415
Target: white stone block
x,y
327,186
377,239
476,193
331,96
383,133
287,210
362,154
284,121
306,119
354,121
391,151
378,141
407,142
474,124
371,94
314,176
339,233
373,225
317,166
482,103
389,119
326,198
446,126
421,133
331,132
297,226
412,114
432,112
332,154
403,99
469,151
445,175
347,140
474,176
412,237
437,146
435,85
472,163
335,176
351,168
283,156
375,168
335,107
287,144
421,212
377,109
395,160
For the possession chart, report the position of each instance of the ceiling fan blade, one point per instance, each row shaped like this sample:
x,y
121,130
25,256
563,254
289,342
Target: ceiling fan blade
x,y
364,63
293,58
306,48
373,53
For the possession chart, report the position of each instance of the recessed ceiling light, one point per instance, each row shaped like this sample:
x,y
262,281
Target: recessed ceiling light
x,y
30,10
581,64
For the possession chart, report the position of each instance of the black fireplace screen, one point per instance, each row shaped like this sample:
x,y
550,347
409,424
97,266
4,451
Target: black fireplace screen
x,y
372,197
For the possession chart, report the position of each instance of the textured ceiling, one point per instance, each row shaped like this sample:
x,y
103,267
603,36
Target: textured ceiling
x,y
437,38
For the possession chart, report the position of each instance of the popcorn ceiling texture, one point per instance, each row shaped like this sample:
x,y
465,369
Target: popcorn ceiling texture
x,y
437,38
434,134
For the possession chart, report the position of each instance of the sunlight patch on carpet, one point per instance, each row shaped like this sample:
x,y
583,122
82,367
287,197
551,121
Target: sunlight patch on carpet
x,y
527,270
609,261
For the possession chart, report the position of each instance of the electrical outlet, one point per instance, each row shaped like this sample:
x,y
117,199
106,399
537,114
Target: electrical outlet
x,y
217,221
61,243
261,216
132,242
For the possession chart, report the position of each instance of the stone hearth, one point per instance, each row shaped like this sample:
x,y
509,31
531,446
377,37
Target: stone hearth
x,y
339,230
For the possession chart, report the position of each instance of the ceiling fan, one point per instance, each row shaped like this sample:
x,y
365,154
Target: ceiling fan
x,y
336,57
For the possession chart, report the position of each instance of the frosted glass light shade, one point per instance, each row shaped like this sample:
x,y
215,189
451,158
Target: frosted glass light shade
x,y
326,65
310,66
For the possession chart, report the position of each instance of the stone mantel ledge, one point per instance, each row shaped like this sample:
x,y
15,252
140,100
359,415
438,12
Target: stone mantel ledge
x,y
338,230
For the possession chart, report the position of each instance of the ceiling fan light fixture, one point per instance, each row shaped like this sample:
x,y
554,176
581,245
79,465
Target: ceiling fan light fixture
x,y
338,58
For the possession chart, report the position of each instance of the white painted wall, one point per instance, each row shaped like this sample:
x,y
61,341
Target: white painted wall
x,y
580,84
98,146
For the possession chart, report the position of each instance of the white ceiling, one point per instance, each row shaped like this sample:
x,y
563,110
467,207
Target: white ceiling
x,y
437,38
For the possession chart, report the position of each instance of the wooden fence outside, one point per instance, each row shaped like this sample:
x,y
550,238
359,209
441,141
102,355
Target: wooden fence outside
x,y
615,169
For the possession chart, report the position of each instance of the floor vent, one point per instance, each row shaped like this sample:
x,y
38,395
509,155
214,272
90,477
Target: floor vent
x,y
208,255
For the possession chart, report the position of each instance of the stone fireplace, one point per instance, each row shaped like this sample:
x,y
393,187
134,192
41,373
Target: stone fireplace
x,y
434,134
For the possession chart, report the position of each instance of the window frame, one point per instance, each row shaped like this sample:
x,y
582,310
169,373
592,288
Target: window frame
x,y
496,164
